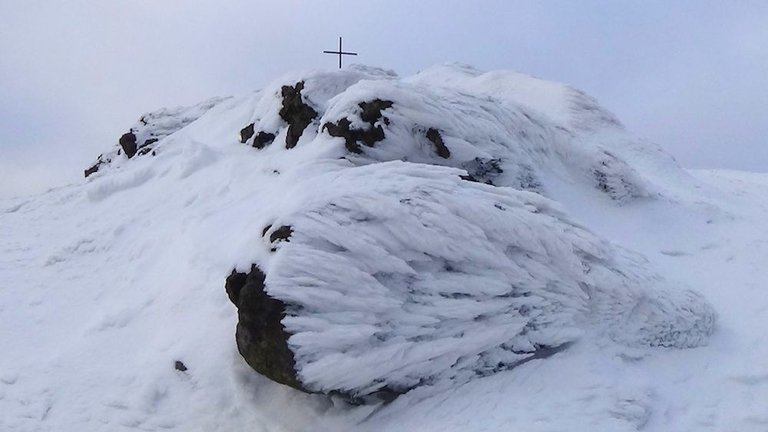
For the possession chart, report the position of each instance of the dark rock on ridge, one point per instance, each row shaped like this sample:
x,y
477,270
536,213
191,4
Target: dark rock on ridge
x,y
180,366
434,136
246,133
95,167
281,234
263,139
128,143
370,113
296,113
261,337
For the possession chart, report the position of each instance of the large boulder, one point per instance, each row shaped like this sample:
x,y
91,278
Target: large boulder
x,y
396,274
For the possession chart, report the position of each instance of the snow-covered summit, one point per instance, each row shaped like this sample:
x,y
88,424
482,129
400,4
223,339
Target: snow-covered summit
x,y
376,233
410,239
504,128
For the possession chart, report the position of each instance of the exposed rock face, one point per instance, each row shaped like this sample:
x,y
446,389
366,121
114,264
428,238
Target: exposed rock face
x,y
434,136
128,143
296,113
261,337
101,160
281,234
373,133
246,133
263,139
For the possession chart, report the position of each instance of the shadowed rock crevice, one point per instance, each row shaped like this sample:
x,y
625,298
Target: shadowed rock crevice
x,y
370,113
296,113
261,337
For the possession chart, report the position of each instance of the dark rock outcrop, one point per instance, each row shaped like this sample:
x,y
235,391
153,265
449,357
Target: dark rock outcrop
x,y
263,139
95,167
128,143
434,136
261,337
246,133
370,113
296,113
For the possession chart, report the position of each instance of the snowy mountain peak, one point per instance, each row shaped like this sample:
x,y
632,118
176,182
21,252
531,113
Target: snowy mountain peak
x,y
379,236
411,240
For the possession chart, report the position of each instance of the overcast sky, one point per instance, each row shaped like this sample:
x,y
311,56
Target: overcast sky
x,y
74,75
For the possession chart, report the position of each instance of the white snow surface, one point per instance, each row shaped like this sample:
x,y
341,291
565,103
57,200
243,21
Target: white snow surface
x,y
397,270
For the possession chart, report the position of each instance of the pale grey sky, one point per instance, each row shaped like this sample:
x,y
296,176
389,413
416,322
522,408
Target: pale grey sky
x,y
689,75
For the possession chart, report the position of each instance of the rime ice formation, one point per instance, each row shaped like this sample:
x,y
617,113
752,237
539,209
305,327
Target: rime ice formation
x,y
456,239
414,241
426,248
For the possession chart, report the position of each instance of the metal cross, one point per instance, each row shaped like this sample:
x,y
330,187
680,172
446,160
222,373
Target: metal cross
x,y
340,52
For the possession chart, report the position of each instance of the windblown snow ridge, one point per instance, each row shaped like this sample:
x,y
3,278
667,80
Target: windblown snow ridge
x,y
409,236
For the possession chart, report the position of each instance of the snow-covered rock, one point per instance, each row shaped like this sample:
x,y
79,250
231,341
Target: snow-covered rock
x,y
397,274
464,235
413,242
150,129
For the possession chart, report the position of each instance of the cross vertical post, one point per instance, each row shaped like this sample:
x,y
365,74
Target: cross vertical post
x,y
340,52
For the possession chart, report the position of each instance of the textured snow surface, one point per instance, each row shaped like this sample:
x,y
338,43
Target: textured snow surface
x,y
401,273
406,270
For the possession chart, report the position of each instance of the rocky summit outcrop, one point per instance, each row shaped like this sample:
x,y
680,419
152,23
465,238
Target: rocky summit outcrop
x,y
408,232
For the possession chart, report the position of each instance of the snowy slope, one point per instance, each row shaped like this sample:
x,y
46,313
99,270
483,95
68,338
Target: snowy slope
x,y
107,284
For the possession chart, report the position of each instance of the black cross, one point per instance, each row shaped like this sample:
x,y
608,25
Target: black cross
x,y
340,52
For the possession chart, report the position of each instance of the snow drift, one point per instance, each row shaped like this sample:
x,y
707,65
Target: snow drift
x,y
407,235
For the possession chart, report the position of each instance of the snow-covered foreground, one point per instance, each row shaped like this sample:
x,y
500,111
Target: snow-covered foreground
x,y
105,286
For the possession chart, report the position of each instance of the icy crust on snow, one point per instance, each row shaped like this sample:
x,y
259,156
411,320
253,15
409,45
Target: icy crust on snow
x,y
400,274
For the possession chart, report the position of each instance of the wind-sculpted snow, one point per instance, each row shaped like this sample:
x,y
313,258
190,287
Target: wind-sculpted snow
x,y
418,237
149,130
400,274
532,130
536,133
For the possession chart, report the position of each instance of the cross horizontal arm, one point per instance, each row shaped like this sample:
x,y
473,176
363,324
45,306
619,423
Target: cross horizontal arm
x,y
340,52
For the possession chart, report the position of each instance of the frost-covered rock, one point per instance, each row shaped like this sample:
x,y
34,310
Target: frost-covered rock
x,y
526,129
400,274
409,234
